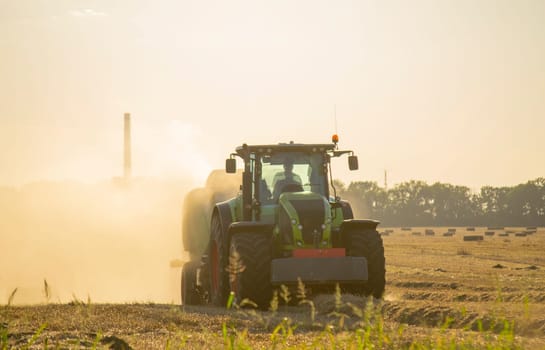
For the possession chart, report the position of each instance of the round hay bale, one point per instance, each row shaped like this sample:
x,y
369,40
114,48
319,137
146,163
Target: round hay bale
x,y
470,229
532,228
406,229
473,238
503,234
430,233
489,233
417,233
448,234
520,234
451,230
495,228
531,232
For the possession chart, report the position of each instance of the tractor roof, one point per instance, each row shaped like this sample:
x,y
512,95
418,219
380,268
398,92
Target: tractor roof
x,y
285,147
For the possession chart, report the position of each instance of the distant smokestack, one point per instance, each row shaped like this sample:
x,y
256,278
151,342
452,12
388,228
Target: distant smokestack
x,y
127,147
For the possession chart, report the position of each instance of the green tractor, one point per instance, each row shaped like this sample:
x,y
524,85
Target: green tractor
x,y
283,227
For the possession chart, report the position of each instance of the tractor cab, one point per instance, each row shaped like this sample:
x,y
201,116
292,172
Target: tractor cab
x,y
271,170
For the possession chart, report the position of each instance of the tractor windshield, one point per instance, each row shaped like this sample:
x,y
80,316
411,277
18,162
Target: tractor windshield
x,y
292,171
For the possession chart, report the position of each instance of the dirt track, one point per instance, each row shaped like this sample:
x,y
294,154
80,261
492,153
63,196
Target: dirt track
x,y
429,278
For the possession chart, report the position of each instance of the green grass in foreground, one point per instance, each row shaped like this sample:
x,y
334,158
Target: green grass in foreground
x,y
368,331
347,326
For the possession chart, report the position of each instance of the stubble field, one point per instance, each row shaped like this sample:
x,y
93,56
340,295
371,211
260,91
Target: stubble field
x,y
442,292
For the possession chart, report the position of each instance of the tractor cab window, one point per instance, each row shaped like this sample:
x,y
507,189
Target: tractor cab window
x,y
292,172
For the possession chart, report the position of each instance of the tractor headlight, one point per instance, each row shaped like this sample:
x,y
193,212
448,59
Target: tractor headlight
x,y
323,226
293,221
300,227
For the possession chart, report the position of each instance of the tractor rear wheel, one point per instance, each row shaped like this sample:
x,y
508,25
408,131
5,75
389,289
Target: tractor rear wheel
x,y
250,268
368,243
217,261
190,296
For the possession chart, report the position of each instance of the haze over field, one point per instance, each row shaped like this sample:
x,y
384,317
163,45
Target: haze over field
x,y
450,91
103,241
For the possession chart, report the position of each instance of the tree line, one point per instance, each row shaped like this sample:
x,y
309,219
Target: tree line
x,y
415,203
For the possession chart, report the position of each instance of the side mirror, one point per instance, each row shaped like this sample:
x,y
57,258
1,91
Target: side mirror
x,y
231,165
353,162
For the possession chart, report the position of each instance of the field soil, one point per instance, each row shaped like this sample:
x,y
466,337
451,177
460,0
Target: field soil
x,y
436,285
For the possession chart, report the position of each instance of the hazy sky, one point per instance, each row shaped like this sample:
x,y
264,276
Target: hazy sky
x,y
450,91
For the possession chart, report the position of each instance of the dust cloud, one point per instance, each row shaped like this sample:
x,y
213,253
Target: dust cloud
x,y
110,241
197,209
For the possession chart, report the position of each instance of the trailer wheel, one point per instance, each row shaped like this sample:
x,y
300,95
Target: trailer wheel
x,y
190,296
368,243
217,262
250,268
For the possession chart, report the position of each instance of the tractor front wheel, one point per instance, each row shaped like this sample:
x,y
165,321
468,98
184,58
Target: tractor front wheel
x,y
368,243
250,268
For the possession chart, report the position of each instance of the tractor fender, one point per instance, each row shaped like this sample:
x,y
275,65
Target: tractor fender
x,y
223,210
359,224
249,227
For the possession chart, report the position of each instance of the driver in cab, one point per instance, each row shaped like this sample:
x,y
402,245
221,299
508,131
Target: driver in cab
x,y
284,178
